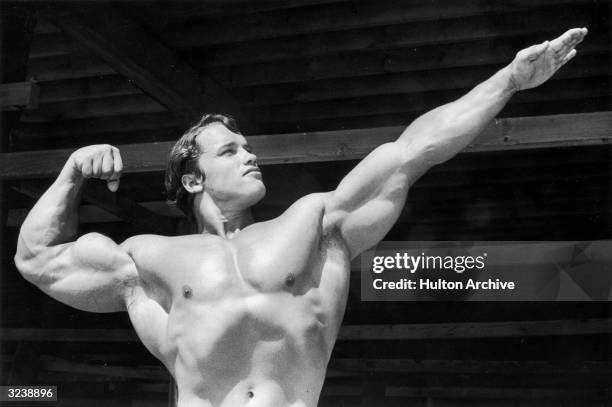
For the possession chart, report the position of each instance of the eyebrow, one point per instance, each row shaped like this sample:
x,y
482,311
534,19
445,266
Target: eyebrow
x,y
230,144
247,146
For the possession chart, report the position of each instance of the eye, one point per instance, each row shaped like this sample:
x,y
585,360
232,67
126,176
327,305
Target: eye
x,y
228,151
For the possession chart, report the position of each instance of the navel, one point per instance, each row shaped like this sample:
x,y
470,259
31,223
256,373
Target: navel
x,y
187,291
290,280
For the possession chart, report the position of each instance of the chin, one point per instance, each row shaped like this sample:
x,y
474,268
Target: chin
x,y
256,193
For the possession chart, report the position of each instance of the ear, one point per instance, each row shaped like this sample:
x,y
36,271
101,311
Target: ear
x,y
193,183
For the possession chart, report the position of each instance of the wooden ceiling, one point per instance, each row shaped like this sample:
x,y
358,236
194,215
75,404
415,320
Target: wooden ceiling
x,y
136,72
140,71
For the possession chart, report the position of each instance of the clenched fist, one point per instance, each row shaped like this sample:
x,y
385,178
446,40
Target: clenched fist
x,y
99,161
535,65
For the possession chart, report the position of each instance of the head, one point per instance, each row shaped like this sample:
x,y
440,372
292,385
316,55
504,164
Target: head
x,y
213,157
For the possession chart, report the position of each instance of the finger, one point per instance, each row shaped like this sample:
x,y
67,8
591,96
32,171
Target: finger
x,y
96,165
535,51
117,164
566,42
86,168
568,57
107,165
113,185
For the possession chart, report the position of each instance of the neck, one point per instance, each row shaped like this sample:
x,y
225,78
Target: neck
x,y
213,219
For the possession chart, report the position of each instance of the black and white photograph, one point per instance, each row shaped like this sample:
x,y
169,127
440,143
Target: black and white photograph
x,y
306,203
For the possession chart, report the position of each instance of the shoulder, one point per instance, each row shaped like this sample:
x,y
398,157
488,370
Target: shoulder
x,y
141,242
314,206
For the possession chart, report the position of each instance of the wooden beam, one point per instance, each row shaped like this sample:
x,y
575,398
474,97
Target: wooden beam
x,y
149,64
414,34
85,88
114,203
500,135
412,104
510,329
380,62
93,108
400,83
336,17
55,364
497,393
458,330
146,122
19,95
68,68
392,83
342,367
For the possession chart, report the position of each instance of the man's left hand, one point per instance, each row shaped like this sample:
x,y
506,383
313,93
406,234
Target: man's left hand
x,y
536,64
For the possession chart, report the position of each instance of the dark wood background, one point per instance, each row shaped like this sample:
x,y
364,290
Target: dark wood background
x,y
138,72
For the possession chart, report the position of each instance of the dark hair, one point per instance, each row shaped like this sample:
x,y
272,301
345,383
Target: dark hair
x,y
183,160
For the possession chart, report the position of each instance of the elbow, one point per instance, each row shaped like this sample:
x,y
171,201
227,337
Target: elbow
x,y
26,263
26,268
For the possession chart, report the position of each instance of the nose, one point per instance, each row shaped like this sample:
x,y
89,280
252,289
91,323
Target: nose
x,y
250,158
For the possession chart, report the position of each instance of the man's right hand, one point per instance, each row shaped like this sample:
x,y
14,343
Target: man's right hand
x,y
101,161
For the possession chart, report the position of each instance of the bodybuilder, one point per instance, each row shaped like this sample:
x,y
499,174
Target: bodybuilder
x,y
246,313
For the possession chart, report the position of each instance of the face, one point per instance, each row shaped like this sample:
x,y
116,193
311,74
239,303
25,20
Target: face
x,y
232,177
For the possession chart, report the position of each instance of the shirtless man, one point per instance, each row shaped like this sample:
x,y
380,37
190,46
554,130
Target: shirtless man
x,y
245,313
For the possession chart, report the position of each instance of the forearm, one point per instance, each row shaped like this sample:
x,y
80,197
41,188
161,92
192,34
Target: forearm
x,y
54,218
441,133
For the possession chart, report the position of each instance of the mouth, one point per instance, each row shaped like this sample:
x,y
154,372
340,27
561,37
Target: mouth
x,y
252,170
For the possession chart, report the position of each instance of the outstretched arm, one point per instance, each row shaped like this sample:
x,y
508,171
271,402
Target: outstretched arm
x,y
370,198
89,273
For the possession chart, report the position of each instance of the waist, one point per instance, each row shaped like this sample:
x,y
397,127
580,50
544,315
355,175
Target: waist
x,y
254,393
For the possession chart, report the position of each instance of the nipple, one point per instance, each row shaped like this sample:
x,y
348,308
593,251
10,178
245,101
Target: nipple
x,y
290,280
187,292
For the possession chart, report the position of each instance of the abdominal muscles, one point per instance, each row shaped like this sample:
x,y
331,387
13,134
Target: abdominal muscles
x,y
261,349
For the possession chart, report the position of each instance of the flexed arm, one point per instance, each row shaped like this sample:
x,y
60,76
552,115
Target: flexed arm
x,y
370,198
89,273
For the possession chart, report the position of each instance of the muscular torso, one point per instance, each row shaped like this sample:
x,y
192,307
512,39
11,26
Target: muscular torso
x,y
251,320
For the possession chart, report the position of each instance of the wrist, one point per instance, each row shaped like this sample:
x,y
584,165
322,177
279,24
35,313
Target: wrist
x,y
511,84
70,172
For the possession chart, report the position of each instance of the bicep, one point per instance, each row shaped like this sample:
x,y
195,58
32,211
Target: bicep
x,y
371,197
90,274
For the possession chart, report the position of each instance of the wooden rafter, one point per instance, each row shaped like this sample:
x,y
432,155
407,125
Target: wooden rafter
x,y
129,50
460,330
113,203
503,134
14,96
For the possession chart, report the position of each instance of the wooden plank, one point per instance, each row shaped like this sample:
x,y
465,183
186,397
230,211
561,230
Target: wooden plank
x,y
85,88
55,364
378,62
413,104
114,203
586,106
414,34
401,83
146,122
497,393
500,135
178,11
73,67
92,108
460,330
335,17
150,65
588,67
341,367
14,96
463,330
